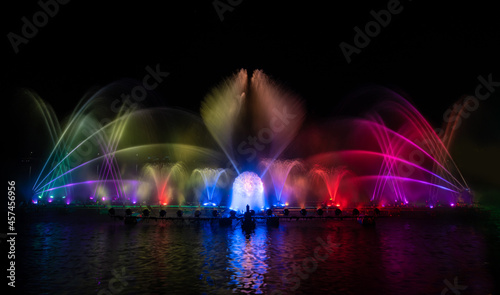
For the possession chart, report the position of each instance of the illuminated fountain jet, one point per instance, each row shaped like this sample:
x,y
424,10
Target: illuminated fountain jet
x,y
278,171
251,119
100,152
417,165
163,176
393,153
210,178
332,178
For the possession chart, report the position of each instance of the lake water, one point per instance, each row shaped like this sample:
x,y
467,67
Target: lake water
x,y
70,254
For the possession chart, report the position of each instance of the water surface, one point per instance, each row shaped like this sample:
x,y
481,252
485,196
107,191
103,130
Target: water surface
x,y
71,254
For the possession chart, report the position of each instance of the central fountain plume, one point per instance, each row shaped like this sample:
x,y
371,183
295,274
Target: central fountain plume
x,y
251,120
247,190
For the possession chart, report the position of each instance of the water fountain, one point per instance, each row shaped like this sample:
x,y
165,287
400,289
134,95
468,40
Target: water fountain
x,y
247,190
210,178
267,119
332,178
158,155
121,156
395,155
168,180
278,171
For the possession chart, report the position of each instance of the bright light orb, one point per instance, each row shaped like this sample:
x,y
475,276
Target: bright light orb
x,y
248,189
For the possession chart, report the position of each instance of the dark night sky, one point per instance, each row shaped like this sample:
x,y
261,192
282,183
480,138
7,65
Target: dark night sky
x,y
432,51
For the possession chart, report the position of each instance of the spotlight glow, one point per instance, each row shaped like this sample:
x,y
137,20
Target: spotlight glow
x,y
248,189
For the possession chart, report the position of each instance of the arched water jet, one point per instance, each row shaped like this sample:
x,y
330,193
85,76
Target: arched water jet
x,y
168,179
331,178
415,126
279,171
210,178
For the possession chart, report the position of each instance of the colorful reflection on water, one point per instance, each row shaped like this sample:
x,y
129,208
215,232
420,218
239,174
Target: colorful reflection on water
x,y
65,255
